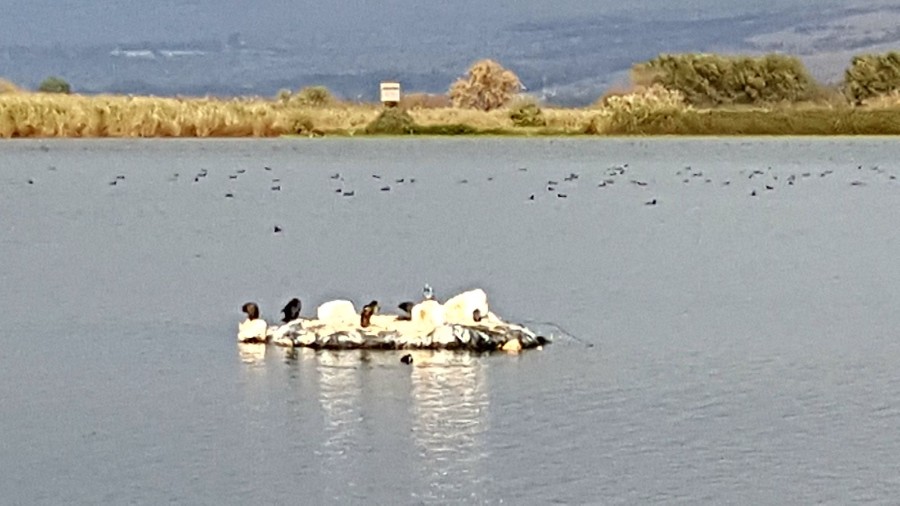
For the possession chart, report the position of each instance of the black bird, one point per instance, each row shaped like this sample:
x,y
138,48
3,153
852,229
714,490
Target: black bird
x,y
336,175
251,309
291,310
406,307
276,188
367,311
120,177
531,197
277,229
31,181
769,187
399,180
376,176
112,183
385,188
233,176
406,359
241,171
268,168
229,195
349,193
561,196
753,193
650,203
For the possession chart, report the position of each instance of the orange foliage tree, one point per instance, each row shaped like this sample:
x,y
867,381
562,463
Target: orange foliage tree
x,y
486,86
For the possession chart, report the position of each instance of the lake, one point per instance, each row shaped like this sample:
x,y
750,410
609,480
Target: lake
x,y
724,316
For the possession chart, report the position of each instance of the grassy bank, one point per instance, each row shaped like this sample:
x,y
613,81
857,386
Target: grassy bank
x,y
24,114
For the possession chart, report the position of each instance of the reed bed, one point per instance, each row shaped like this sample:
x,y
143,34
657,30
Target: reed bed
x,y
651,111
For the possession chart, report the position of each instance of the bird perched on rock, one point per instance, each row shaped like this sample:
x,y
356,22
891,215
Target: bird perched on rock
x,y
291,310
368,310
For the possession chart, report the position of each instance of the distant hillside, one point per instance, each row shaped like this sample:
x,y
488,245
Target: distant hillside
x,y
568,56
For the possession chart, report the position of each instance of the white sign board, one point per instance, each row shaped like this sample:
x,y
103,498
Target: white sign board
x,y
390,91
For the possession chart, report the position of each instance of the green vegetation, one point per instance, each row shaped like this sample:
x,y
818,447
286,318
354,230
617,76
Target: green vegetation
x,y
525,112
872,75
312,96
714,80
844,121
54,84
392,121
671,95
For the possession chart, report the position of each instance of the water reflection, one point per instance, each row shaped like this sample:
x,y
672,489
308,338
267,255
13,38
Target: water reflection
x,y
252,353
450,406
339,397
435,433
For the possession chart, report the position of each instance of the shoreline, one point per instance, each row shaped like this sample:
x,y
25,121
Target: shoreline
x,y
43,116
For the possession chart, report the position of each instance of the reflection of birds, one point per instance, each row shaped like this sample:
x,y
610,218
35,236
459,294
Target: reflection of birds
x,y
406,359
291,310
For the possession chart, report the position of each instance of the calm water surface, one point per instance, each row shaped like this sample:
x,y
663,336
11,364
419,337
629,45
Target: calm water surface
x,y
735,343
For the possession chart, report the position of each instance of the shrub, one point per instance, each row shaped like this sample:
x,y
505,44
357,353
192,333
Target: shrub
x,y
313,96
54,84
525,112
711,80
871,75
283,96
652,105
392,121
487,86
8,87
424,101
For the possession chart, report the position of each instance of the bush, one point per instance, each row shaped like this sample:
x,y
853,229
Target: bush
x,y
8,87
872,75
54,84
313,96
711,80
650,106
487,86
525,112
392,121
424,101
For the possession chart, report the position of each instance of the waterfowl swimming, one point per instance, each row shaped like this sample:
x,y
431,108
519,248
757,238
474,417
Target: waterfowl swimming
x,y
406,359
291,310
366,316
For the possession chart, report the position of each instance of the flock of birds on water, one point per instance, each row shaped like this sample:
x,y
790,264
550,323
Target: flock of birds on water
x,y
759,181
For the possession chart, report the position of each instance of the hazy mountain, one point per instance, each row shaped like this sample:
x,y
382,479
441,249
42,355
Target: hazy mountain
x,y
568,51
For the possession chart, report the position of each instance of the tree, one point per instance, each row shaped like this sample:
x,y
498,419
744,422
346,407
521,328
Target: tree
x,y
486,86
54,84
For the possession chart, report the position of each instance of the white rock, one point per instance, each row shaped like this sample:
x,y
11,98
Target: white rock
x,y
337,312
459,308
252,329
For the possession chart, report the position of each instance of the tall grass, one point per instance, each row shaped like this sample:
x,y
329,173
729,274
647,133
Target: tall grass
x,y
49,115
651,111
